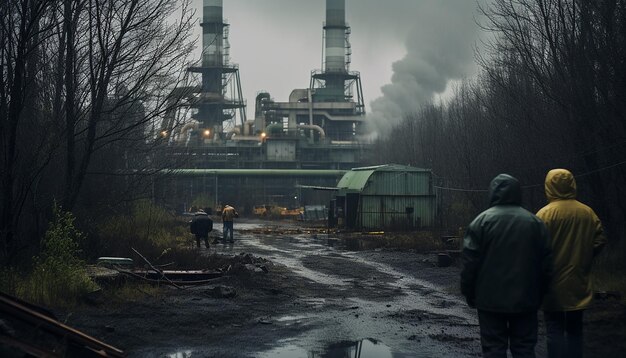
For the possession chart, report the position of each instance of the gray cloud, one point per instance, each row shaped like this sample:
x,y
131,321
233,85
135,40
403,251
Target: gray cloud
x,y
439,49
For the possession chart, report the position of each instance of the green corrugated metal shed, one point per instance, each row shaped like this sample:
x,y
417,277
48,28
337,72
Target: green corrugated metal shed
x,y
387,197
354,180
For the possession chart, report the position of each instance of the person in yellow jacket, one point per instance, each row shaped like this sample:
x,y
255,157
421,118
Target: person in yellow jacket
x,y
228,214
576,236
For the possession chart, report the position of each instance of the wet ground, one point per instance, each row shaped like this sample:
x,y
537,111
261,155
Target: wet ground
x,y
320,298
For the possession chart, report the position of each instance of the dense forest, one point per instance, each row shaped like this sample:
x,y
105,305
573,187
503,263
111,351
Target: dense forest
x,y
550,94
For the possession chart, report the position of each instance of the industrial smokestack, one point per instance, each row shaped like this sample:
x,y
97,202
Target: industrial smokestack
x,y
212,33
219,79
335,37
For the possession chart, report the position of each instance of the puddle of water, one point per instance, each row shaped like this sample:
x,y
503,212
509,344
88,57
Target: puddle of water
x,y
367,348
314,301
288,351
291,318
183,354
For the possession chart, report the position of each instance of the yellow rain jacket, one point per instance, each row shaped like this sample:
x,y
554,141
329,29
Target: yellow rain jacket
x,y
576,236
229,213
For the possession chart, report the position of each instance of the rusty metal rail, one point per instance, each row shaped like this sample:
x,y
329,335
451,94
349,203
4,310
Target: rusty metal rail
x,y
90,345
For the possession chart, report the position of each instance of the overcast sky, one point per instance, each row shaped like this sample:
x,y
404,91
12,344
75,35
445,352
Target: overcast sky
x,y
406,50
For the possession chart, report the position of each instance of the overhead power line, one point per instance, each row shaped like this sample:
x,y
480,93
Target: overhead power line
x,y
532,185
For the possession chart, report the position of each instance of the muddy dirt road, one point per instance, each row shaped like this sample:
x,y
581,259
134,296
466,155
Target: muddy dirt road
x,y
378,303
322,297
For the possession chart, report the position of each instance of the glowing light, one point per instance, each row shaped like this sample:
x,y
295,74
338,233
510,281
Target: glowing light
x,y
164,133
263,135
207,132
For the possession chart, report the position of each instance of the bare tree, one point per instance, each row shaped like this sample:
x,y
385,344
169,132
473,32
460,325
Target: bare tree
x,y
131,59
570,50
24,26
81,78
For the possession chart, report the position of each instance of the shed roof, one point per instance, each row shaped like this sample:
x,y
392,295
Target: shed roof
x,y
355,179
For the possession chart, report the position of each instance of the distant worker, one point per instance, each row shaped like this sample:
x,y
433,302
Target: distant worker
x,y
200,226
506,271
576,237
228,214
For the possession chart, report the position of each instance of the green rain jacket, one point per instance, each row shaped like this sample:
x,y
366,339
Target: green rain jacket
x,y
506,257
576,236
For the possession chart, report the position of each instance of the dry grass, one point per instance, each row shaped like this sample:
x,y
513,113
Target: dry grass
x,y
159,236
609,270
132,292
609,281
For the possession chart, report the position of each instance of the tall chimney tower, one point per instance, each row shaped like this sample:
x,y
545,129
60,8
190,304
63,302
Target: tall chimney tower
x,y
219,77
335,85
212,33
335,36
335,82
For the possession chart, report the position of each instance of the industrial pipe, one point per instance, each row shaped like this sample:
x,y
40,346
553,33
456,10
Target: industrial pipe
x,y
182,136
233,132
175,96
298,94
252,138
314,127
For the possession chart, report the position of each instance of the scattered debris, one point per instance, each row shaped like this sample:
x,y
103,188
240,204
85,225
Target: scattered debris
x,y
155,269
115,261
253,268
182,275
175,278
247,263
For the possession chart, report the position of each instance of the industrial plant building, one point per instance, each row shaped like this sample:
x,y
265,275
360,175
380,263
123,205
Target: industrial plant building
x,y
311,139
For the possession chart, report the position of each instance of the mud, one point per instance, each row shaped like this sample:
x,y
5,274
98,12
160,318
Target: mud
x,y
319,298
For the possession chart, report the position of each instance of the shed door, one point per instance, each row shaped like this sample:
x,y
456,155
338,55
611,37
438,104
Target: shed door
x,y
352,206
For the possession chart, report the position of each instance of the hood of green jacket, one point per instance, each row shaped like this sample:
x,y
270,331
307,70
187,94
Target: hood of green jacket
x,y
504,190
560,185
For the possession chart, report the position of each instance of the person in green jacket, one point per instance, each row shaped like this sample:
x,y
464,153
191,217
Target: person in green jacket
x,y
506,271
576,237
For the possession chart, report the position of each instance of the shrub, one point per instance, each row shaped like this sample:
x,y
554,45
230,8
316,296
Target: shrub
x,y
58,277
157,234
9,280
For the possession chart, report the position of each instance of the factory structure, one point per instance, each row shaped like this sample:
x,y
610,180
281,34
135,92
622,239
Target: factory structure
x,y
311,139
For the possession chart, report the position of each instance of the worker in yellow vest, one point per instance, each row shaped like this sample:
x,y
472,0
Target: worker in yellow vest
x,y
228,214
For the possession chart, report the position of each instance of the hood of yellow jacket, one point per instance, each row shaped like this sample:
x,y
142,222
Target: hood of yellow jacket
x,y
560,185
